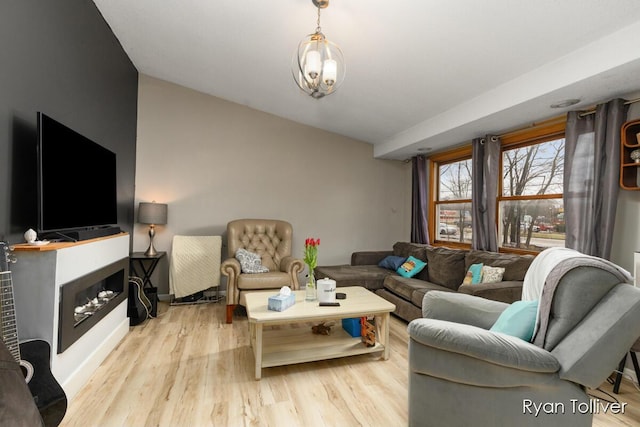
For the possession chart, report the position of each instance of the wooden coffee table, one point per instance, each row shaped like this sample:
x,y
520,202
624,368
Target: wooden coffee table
x,y
288,345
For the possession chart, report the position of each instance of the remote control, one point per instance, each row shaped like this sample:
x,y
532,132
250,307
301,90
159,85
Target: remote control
x,y
329,304
341,295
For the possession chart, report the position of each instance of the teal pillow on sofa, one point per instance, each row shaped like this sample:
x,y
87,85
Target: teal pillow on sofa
x,y
392,262
411,267
518,320
476,272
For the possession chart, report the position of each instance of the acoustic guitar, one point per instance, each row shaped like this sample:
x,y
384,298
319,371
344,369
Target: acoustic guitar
x,y
140,306
33,356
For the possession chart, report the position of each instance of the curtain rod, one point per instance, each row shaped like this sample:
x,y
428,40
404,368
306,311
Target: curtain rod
x,y
593,110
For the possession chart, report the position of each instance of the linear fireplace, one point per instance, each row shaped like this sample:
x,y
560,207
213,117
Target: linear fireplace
x,y
88,299
51,281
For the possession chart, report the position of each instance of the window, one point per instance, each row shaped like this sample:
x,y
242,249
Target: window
x,y
451,216
530,207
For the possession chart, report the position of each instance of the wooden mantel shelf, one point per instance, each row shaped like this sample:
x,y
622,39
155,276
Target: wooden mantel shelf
x,y
54,246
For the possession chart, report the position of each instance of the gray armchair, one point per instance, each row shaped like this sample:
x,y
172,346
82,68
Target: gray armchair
x,y
272,240
461,374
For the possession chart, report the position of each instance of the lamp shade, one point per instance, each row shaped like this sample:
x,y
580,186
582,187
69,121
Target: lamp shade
x,y
152,213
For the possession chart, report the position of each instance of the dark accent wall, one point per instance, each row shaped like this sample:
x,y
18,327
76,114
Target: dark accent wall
x,y
60,57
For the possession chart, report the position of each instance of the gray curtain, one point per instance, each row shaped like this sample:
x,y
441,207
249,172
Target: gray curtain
x,y
485,160
591,176
419,202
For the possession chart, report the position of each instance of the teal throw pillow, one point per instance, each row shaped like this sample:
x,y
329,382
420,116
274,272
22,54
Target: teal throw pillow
x,y
392,262
476,273
518,320
411,267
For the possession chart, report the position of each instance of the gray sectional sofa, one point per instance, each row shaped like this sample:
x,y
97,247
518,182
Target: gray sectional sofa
x,y
445,271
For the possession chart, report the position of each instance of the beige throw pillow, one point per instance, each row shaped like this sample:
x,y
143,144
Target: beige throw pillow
x,y
492,274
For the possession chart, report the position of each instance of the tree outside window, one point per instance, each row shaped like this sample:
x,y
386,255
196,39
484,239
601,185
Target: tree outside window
x,y
453,207
530,207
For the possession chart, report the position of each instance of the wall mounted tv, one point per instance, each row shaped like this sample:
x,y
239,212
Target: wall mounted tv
x,y
77,187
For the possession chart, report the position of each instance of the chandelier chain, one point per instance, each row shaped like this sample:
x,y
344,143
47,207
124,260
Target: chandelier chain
x,y
318,29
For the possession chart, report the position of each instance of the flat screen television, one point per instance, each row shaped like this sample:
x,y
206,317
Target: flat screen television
x,y
77,186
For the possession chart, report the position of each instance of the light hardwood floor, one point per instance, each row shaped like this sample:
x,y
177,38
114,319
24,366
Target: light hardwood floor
x,y
189,368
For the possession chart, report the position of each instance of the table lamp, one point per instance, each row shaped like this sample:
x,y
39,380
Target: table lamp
x,y
153,214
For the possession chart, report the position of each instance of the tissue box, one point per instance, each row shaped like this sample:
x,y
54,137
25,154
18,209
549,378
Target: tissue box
x,y
352,326
281,303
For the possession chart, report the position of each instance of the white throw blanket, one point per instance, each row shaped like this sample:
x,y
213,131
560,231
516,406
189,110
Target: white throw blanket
x,y
543,265
540,268
194,265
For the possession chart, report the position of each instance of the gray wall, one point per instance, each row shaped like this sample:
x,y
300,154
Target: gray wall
x,y
213,161
60,57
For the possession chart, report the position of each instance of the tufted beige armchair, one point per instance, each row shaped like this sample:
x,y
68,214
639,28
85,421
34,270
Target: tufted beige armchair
x,y
272,240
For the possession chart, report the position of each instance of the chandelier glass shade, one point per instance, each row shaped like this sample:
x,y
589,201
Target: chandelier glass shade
x,y
318,65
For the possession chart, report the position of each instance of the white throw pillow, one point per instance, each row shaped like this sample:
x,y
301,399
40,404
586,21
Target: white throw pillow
x,y
492,274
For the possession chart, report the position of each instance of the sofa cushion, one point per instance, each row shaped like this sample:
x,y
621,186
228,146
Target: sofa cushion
x,y
416,250
270,280
17,407
446,266
502,291
406,287
515,265
418,294
368,276
369,257
404,309
407,249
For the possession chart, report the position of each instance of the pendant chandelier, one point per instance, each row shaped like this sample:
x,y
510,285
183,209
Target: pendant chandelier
x,y
318,66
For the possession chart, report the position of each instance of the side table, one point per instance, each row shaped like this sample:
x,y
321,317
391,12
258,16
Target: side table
x,y
143,266
146,264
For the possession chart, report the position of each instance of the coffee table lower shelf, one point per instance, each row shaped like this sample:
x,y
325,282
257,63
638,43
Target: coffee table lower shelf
x,y
284,338
299,345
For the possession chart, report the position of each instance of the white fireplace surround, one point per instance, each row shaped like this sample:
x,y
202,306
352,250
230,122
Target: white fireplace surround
x,y
38,277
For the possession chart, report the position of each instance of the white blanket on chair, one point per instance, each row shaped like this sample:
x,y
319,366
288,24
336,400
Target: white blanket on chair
x,y
194,265
545,263
540,268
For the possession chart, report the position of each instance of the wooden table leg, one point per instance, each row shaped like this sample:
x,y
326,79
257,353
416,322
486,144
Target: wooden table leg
x,y
382,326
257,351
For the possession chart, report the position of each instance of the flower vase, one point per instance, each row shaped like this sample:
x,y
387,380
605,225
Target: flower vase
x,y
311,287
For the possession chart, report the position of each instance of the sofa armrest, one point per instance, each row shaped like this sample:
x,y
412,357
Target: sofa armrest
x,y
230,267
292,266
480,344
461,308
508,291
369,257
17,406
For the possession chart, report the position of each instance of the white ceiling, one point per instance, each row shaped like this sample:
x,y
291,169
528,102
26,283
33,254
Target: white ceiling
x,y
422,74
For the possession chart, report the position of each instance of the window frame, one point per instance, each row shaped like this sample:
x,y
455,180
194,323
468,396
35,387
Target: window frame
x,y
537,133
435,161
548,131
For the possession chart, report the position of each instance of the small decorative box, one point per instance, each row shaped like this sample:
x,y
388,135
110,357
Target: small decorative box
x,y
281,303
352,326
